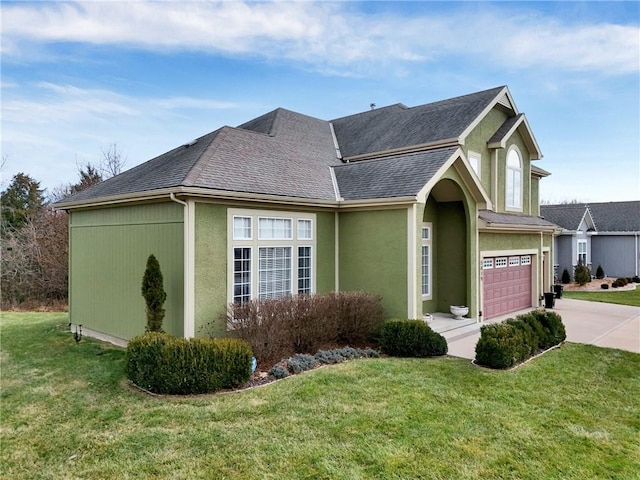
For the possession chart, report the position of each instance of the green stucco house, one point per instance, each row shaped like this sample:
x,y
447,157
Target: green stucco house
x,y
427,206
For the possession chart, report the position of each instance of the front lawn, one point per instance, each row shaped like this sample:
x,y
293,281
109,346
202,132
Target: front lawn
x,y
67,413
621,297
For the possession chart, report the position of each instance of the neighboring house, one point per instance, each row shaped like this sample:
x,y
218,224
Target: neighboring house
x,y
606,234
428,206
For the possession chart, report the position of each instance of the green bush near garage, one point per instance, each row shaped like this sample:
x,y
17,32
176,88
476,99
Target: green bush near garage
x,y
411,338
503,345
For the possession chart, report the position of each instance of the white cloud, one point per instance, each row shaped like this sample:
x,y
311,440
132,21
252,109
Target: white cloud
x,y
327,36
48,128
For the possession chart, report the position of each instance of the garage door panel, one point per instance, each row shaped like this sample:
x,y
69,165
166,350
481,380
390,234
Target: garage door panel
x,y
506,289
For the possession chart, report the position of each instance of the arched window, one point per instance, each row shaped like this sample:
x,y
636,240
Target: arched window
x,y
514,180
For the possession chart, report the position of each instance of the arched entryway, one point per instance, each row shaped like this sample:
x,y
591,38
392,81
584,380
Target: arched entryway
x,y
447,214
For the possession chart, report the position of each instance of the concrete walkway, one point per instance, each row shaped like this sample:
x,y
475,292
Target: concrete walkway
x,y
601,324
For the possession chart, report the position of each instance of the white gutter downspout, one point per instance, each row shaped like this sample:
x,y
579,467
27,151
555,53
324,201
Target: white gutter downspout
x,y
189,266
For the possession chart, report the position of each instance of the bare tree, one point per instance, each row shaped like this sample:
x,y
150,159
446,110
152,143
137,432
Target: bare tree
x,y
113,161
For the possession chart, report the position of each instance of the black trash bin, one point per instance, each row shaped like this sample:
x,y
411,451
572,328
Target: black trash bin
x,y
558,290
549,299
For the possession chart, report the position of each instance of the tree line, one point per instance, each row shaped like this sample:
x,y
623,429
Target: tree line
x,y
34,236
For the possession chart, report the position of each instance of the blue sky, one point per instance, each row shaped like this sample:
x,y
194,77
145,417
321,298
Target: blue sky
x,y
149,76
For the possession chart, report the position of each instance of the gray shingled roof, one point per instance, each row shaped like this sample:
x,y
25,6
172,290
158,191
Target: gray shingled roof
x,y
607,216
513,219
291,158
398,126
504,128
398,176
287,154
568,216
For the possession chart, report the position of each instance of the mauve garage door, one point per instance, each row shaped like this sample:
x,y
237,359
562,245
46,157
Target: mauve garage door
x,y
507,284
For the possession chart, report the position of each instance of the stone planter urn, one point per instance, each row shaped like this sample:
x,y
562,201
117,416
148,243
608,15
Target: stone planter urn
x,y
458,311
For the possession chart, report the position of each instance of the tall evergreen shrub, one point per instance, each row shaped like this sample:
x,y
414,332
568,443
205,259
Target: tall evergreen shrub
x,y
599,272
154,294
566,278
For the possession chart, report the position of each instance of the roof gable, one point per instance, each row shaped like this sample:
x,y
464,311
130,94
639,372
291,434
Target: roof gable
x,y
397,127
512,124
604,217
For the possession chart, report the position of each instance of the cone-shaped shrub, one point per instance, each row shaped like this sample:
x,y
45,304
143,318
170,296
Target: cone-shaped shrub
x,y
599,272
154,294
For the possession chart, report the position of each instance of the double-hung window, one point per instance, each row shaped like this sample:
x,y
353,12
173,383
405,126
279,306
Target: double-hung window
x,y
426,260
274,260
582,252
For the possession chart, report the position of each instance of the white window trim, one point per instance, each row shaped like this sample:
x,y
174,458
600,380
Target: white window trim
x,y
487,263
279,217
426,242
514,261
525,260
585,253
250,237
297,266
501,262
516,206
233,271
255,243
298,229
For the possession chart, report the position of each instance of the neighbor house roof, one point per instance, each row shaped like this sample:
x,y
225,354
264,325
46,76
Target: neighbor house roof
x,y
568,216
607,216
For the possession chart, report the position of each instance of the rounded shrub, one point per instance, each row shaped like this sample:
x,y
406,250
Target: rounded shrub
x,y
500,346
636,279
163,363
411,338
604,286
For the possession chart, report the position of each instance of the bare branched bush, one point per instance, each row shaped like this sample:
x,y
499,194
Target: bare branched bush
x,y
278,328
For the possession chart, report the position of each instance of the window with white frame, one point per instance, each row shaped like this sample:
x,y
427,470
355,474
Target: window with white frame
x,y
514,261
241,274
582,251
276,262
487,263
304,270
525,260
475,160
241,228
274,272
270,228
426,260
513,188
304,229
501,262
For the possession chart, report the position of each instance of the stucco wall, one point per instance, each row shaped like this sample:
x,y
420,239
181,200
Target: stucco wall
x,y
210,269
108,254
373,256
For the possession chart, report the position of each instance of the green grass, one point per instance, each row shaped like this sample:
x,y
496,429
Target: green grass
x,y
624,297
573,413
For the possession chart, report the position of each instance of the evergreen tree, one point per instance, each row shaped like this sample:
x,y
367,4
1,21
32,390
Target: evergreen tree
x,y
599,272
566,278
21,201
154,294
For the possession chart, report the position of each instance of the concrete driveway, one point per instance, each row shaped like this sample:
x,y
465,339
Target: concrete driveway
x,y
601,324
